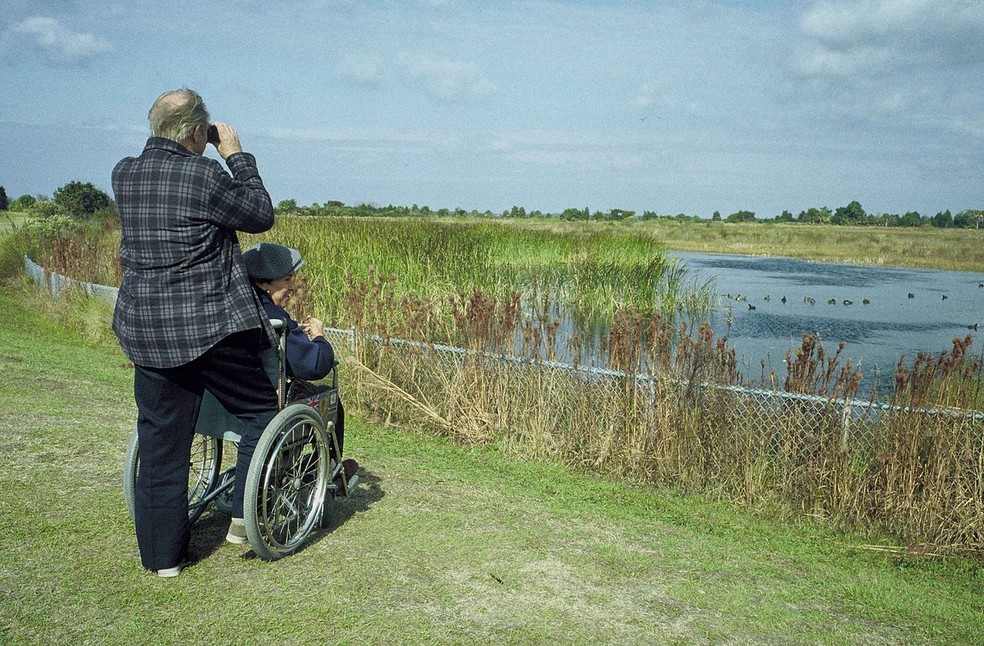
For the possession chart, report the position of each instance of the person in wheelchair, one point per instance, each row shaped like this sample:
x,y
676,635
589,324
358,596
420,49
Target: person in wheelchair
x,y
310,356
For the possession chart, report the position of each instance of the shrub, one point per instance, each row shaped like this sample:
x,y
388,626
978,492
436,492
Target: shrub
x,y
81,200
47,209
23,203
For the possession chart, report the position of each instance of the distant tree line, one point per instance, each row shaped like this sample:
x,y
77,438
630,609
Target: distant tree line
x,y
78,200
851,215
854,215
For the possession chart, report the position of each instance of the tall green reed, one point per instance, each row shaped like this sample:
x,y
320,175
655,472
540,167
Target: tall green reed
x,y
585,277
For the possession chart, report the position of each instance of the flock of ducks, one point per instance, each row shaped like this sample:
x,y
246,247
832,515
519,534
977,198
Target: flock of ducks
x,y
808,300
833,301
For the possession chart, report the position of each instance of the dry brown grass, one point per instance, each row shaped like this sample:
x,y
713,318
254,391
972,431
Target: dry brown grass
x,y
687,423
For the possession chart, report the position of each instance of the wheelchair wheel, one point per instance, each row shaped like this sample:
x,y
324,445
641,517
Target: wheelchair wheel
x,y
203,475
286,483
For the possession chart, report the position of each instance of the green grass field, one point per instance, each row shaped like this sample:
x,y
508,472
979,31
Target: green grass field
x,y
923,247
440,545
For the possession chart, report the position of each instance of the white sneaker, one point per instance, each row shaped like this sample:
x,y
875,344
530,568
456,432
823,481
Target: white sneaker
x,y
237,532
170,572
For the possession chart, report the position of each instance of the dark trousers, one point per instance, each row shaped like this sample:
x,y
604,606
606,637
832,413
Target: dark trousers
x,y
168,401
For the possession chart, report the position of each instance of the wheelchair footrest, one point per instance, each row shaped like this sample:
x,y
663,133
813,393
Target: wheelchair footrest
x,y
338,486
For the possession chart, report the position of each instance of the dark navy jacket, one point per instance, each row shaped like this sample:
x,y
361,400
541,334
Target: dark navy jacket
x,y
308,359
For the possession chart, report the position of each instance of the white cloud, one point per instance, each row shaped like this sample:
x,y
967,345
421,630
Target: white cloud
x,y
646,97
890,65
500,145
658,100
449,80
60,45
360,69
860,60
878,37
368,136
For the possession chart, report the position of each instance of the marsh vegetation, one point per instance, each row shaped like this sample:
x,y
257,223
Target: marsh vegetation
x,y
667,405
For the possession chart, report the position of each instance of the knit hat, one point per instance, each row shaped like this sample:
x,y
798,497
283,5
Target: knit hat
x,y
270,261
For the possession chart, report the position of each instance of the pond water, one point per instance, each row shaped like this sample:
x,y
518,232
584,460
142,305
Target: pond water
x,y
907,310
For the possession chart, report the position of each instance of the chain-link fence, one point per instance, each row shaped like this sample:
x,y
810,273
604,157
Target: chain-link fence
x,y
915,472
856,416
57,283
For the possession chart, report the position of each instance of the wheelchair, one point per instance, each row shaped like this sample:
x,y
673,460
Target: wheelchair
x,y
296,468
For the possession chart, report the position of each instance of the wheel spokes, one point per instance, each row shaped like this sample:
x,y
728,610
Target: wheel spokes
x,y
290,493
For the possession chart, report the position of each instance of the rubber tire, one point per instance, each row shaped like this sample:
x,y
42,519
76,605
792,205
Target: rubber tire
x,y
287,482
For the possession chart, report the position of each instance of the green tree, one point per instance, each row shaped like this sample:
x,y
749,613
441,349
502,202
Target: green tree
x,y
4,204
741,216
334,207
45,209
716,217
81,200
286,206
912,219
619,214
889,220
814,215
850,214
969,219
942,220
785,216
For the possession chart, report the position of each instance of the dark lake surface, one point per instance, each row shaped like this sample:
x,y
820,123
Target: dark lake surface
x,y
908,310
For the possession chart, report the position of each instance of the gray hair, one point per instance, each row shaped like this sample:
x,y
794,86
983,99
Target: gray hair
x,y
176,114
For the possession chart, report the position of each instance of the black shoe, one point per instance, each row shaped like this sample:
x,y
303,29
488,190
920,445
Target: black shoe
x,y
349,467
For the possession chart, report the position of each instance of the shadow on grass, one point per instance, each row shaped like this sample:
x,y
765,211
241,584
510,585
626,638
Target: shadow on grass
x,y
367,492
208,534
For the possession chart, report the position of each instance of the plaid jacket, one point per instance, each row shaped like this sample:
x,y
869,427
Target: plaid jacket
x,y
184,284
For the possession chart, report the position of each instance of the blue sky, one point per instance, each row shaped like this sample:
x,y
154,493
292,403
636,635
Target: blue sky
x,y
668,106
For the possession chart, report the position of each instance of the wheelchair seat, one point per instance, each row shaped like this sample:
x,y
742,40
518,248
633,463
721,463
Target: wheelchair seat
x,y
215,421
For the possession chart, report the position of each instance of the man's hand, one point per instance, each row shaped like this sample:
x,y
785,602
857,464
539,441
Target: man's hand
x,y
228,140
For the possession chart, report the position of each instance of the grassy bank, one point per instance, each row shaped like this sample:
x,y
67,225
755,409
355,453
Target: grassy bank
x,y
441,544
926,247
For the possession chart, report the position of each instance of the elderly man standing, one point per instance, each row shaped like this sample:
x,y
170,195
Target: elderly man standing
x,y
186,314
